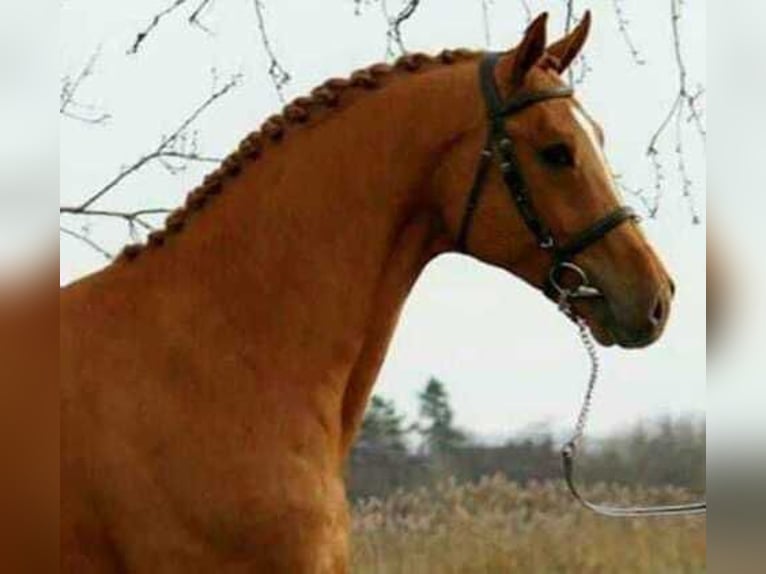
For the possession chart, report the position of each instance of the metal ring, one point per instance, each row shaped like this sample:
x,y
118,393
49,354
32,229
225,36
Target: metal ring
x,y
566,265
582,291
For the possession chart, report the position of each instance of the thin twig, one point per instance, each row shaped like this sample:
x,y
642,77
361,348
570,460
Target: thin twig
x,y
527,10
583,69
390,53
569,22
358,4
134,219
623,24
685,106
87,241
690,98
153,24
192,156
166,148
280,77
69,105
687,186
127,215
653,153
638,193
194,20
578,72
395,24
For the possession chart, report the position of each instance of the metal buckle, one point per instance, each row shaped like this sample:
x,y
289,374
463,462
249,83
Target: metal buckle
x,y
547,243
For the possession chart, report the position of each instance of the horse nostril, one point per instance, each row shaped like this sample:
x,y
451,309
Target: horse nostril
x,y
658,313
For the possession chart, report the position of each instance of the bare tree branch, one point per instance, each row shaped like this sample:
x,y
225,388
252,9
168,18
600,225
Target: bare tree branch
x,y
569,19
134,219
396,22
686,182
569,22
623,24
638,193
153,24
358,4
82,237
578,72
166,149
583,69
193,19
130,216
690,98
70,106
685,107
653,153
280,77
175,152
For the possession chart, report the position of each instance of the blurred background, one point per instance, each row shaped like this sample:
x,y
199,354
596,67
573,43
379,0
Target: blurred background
x,y
29,146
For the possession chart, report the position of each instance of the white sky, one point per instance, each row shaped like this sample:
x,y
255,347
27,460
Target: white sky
x,y
508,358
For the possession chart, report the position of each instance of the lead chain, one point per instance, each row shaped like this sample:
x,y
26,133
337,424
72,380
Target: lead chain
x,y
595,369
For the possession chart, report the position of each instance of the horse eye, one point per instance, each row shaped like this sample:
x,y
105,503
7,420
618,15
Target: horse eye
x,y
557,155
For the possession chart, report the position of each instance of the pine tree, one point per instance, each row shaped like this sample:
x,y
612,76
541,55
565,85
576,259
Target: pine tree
x,y
382,428
436,427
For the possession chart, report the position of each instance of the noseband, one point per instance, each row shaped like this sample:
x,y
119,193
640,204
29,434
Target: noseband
x,y
500,144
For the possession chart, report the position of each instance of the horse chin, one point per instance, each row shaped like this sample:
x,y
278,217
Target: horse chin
x,y
603,335
607,331
597,317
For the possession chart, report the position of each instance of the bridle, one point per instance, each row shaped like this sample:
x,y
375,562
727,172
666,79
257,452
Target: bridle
x,y
500,144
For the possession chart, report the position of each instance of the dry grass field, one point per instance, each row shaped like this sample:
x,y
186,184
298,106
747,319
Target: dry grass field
x,y
495,526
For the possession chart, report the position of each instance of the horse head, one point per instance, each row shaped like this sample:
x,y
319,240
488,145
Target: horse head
x,y
543,203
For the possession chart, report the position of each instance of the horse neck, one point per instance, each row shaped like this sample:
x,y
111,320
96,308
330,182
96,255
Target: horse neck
x,y
302,264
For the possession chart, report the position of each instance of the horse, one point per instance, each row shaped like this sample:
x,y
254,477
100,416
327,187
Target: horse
x,y
213,378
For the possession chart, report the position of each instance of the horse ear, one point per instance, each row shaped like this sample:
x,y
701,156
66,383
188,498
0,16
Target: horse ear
x,y
567,49
530,50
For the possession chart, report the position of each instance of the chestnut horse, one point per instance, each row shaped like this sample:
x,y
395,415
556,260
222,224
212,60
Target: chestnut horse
x,y
212,381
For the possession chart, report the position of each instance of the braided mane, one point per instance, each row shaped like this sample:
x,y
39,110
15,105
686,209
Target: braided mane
x,y
299,111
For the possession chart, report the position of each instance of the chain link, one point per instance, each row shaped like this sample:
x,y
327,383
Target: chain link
x,y
595,369
569,450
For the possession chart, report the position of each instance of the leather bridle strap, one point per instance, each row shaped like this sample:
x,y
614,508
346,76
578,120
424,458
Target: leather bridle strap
x,y
500,144
589,236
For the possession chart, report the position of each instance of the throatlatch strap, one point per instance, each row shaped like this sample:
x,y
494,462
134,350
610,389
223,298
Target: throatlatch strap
x,y
485,161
